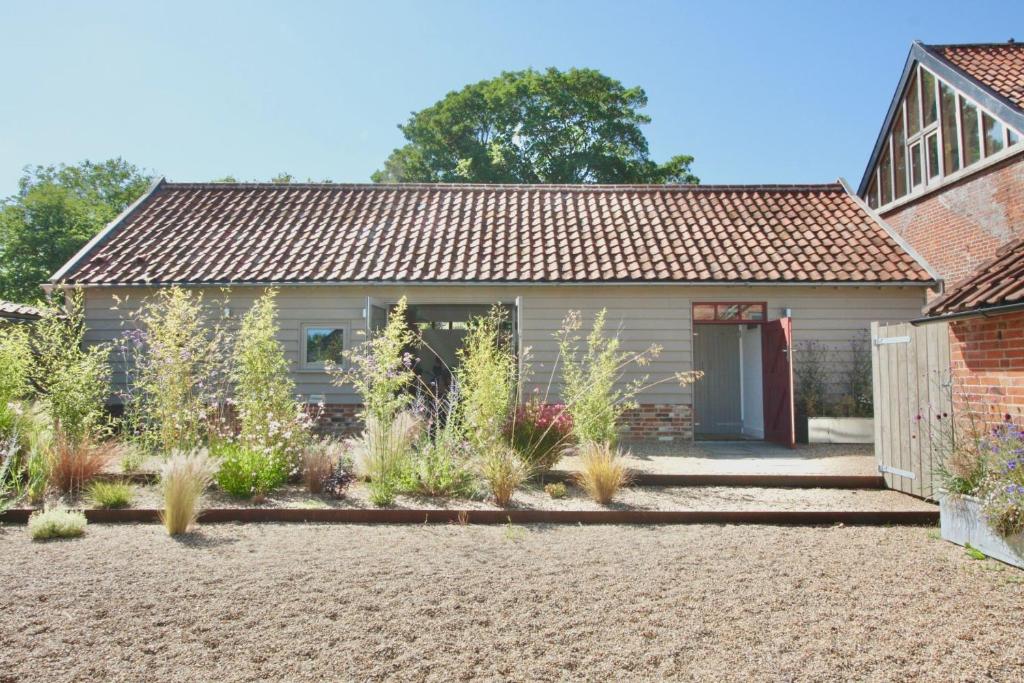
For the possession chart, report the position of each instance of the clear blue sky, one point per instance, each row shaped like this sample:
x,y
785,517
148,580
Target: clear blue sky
x,y
777,91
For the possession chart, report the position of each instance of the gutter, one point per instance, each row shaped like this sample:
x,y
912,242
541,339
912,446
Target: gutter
x,y
976,313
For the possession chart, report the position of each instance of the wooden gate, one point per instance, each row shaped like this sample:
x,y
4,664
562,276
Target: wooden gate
x,y
913,403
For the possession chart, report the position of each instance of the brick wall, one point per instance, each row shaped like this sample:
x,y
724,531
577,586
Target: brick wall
x,y
960,226
660,422
987,358
651,421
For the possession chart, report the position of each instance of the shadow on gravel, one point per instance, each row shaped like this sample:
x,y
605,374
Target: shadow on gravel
x,y
198,540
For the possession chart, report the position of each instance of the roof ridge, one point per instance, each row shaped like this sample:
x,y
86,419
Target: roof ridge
x,y
521,187
943,45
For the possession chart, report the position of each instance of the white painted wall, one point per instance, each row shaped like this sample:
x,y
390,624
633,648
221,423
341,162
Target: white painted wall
x,y
750,361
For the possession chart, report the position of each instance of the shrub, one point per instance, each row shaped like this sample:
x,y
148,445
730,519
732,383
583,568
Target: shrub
x,y
556,489
384,448
382,492
56,523
320,460
503,471
809,370
73,378
72,465
539,432
177,368
595,395
486,378
270,418
246,472
183,478
1002,489
15,374
602,472
440,465
110,494
381,369
336,484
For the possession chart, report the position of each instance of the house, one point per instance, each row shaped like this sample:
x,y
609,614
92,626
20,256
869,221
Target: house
x,y
723,278
947,174
12,313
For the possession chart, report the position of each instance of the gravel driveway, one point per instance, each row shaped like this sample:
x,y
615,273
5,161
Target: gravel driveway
x,y
309,602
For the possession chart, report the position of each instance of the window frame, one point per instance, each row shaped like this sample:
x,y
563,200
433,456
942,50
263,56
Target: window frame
x,y
730,321
321,366
928,181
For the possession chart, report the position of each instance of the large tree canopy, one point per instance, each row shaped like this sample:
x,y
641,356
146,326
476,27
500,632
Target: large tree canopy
x,y
56,210
576,126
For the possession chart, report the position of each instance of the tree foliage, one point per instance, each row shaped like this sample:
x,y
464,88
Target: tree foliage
x,y
575,126
56,210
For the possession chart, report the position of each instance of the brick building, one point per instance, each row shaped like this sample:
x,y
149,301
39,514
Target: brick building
x,y
947,175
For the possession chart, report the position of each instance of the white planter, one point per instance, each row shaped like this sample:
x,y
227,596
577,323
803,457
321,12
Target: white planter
x,y
840,430
963,522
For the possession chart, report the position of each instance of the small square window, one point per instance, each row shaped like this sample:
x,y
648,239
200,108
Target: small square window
x,y
322,344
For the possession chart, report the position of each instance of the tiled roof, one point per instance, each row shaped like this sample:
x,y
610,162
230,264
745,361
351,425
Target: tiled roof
x,y
13,311
262,233
999,66
998,282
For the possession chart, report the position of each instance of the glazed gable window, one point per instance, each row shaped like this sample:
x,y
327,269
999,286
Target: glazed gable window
x,y
936,131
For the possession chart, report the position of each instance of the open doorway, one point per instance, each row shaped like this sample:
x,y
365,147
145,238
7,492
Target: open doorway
x,y
747,389
729,401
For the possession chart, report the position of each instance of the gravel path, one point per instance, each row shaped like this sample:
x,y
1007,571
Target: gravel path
x,y
444,602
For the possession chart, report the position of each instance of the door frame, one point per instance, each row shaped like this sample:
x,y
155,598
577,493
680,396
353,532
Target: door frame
x,y
717,321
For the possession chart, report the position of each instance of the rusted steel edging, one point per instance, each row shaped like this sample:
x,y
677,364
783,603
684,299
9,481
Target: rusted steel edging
x,y
780,481
515,516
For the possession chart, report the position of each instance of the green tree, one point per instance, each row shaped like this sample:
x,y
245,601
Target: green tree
x,y
575,126
56,210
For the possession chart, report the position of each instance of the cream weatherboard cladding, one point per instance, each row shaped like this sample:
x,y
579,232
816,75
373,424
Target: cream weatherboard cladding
x,y
643,314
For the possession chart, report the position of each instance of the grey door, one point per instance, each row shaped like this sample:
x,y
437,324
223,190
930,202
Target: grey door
x,y
717,397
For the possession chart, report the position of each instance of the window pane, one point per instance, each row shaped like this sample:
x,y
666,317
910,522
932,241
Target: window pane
x,y
752,312
933,155
928,97
885,173
1012,137
916,165
950,146
729,312
873,192
324,344
899,154
913,108
993,134
972,140
703,311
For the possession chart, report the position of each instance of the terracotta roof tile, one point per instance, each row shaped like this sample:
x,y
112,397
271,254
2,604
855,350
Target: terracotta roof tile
x,y
998,282
13,311
997,66
234,233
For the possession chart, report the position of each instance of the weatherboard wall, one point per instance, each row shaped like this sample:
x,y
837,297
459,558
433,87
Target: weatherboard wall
x,y
642,314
